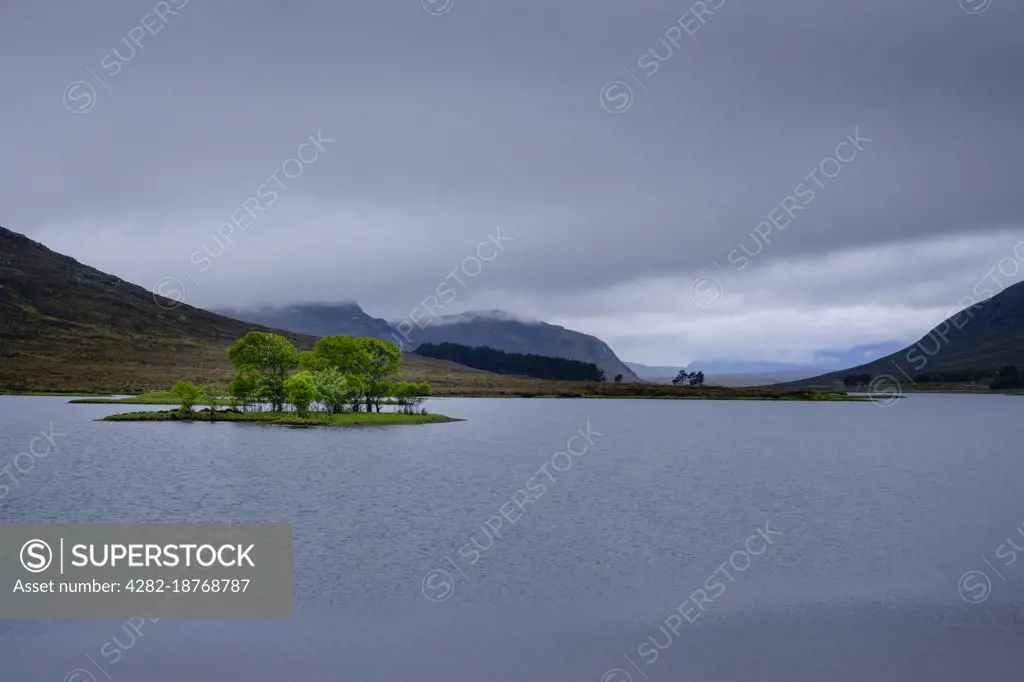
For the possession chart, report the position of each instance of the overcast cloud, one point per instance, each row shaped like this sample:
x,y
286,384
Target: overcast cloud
x,y
625,188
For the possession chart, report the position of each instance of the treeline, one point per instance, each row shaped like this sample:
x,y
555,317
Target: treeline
x,y
1008,377
1005,377
498,361
952,376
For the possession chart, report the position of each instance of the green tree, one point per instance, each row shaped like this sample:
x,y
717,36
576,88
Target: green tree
x,y
618,378
187,393
311,362
341,352
300,390
335,389
378,361
271,357
244,390
208,394
410,395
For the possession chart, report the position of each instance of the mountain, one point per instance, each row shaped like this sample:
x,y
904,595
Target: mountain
x,y
977,340
498,329
653,372
823,361
69,327
763,373
316,319
504,331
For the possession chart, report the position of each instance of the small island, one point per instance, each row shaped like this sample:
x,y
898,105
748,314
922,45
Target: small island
x,y
343,381
284,418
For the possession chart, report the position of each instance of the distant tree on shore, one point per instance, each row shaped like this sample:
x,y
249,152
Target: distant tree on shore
x,y
684,378
1007,377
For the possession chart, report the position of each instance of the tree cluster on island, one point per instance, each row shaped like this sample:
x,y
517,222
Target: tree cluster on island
x,y
498,361
685,378
341,373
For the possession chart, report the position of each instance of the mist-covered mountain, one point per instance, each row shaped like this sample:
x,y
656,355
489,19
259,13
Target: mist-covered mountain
x,y
498,329
505,331
653,372
762,373
824,361
316,319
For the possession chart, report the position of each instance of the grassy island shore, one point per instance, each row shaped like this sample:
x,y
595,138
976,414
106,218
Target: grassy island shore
x,y
285,418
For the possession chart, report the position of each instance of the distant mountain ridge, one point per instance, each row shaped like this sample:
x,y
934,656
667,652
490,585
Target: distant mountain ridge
x,y
497,329
762,373
653,372
505,331
316,319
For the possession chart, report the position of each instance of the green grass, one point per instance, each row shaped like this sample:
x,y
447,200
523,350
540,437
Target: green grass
x,y
286,418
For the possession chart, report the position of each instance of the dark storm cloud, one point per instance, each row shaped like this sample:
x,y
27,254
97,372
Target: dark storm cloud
x,y
450,124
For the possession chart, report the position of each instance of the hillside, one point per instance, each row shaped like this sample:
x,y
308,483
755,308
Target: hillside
x,y
990,336
504,332
67,326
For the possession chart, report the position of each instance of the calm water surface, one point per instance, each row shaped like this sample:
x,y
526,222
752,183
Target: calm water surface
x,y
873,515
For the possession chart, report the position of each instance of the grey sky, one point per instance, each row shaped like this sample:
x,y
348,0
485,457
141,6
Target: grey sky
x,y
446,127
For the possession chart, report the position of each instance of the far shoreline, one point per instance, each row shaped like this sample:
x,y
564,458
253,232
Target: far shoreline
x,y
552,390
